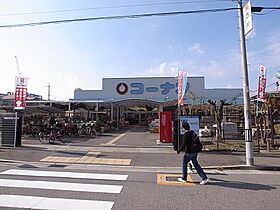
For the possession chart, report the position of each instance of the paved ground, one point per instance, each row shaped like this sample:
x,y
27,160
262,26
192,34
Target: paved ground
x,y
133,146
90,173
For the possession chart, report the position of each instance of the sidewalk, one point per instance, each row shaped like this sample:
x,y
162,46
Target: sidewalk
x,y
137,145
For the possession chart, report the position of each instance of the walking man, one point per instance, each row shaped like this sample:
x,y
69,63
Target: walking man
x,y
189,156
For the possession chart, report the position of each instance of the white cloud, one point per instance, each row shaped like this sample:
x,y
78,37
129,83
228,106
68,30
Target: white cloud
x,y
214,69
196,49
163,69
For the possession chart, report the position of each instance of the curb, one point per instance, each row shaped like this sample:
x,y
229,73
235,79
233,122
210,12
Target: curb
x,y
245,167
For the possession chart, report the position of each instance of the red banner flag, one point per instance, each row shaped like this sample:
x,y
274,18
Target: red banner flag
x,y
262,84
20,98
182,87
20,93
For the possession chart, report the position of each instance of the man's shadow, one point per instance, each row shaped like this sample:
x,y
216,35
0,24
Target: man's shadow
x,y
239,185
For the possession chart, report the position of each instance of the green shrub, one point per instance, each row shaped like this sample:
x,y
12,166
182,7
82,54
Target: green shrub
x,y
98,125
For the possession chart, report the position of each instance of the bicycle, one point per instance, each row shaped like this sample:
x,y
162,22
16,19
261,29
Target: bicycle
x,y
50,136
55,136
86,130
43,137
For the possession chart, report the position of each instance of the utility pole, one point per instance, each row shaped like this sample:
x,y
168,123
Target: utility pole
x,y
246,93
49,91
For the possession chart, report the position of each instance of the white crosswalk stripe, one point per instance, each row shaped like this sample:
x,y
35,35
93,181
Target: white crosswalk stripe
x,y
34,202
61,186
65,174
38,202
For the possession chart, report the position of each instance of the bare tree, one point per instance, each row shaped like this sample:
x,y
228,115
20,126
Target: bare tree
x,y
218,111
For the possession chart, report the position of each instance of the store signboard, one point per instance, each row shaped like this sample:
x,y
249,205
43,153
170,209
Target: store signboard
x,y
192,120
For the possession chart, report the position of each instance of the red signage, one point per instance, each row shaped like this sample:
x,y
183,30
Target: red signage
x,y
20,98
165,127
180,86
261,88
262,84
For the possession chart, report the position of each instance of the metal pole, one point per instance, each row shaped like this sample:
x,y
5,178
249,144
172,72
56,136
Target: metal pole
x,y
96,110
179,112
69,110
15,138
112,113
49,92
246,94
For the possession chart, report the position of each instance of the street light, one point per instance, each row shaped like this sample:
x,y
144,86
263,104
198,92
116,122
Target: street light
x,y
246,94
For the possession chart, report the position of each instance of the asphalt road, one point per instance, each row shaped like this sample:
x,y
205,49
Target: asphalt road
x,y
149,182
142,190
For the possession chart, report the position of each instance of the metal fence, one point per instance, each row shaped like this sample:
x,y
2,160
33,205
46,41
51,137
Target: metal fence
x,y
8,127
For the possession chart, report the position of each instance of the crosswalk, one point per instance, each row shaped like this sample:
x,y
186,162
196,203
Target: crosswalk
x,y
20,179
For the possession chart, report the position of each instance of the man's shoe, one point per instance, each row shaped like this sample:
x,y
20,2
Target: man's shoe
x,y
182,180
203,182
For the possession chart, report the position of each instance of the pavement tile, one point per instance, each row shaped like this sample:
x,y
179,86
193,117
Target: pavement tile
x,y
48,159
119,161
111,161
58,159
90,159
84,158
97,160
64,160
103,160
126,162
73,160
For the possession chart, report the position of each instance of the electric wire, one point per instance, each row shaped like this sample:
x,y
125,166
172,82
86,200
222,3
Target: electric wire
x,y
117,17
112,7
267,86
125,17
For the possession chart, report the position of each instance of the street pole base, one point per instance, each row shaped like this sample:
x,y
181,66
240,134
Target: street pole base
x,y
249,161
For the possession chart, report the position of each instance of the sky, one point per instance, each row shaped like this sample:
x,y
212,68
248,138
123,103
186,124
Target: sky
x,y
80,54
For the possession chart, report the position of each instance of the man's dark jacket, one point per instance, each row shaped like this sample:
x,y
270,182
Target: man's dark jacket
x,y
187,142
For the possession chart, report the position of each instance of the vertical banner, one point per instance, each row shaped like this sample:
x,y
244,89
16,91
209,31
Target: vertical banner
x,y
262,84
248,20
20,93
182,87
165,127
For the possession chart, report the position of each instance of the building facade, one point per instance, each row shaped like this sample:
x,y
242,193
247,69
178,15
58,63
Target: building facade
x,y
158,89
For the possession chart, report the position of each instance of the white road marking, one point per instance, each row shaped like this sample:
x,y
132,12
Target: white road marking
x,y
65,174
61,186
118,137
32,202
115,139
